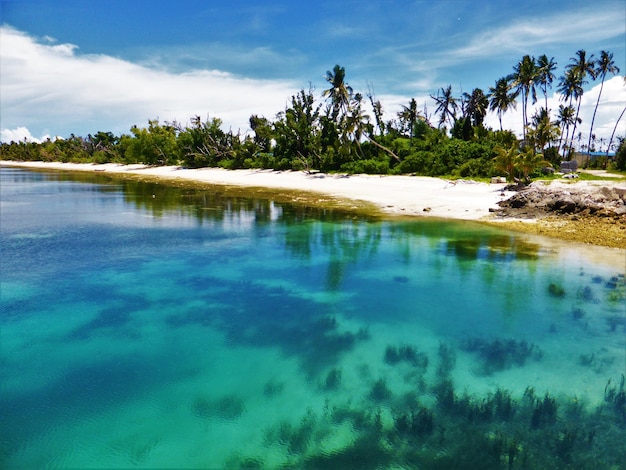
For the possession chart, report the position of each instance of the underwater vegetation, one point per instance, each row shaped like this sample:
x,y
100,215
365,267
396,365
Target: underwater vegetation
x,y
447,359
395,355
437,426
273,388
499,354
333,379
298,326
496,430
597,362
229,407
380,391
615,397
556,290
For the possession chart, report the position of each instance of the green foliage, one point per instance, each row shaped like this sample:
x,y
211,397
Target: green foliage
x,y
339,136
620,156
155,145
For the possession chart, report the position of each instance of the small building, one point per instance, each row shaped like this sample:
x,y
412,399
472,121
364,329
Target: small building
x,y
569,167
586,158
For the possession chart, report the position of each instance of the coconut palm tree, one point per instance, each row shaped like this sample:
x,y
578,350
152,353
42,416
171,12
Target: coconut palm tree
x,y
570,88
580,68
543,130
408,117
546,74
357,123
339,93
524,80
614,130
475,106
501,98
604,65
505,160
446,106
528,162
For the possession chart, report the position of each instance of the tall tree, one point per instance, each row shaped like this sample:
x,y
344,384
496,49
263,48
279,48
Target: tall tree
x,y
543,131
501,98
357,124
339,93
564,120
546,68
614,130
580,67
570,88
524,78
475,106
377,107
604,65
408,117
446,105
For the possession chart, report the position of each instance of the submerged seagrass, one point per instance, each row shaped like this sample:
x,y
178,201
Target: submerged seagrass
x,y
147,325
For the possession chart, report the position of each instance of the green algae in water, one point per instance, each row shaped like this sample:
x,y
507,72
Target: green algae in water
x,y
200,328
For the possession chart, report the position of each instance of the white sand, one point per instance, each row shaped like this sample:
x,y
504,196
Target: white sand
x,y
399,195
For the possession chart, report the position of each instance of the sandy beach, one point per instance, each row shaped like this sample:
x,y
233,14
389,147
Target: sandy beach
x,y
397,195
393,195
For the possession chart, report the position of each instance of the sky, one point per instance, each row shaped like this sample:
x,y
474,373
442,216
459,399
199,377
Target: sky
x,y
83,66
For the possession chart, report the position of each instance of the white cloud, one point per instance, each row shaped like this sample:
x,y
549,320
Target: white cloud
x,y
525,34
53,86
20,134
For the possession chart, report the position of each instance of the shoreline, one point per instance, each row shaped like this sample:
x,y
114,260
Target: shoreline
x,y
393,196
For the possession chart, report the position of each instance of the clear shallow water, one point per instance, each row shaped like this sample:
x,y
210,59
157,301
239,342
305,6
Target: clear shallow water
x,y
148,326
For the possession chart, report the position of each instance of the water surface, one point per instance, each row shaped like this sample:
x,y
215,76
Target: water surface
x,y
149,326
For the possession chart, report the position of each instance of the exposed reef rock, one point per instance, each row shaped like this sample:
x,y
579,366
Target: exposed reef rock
x,y
584,211
536,201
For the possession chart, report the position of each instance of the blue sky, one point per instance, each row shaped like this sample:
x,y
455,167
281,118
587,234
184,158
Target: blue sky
x,y
70,66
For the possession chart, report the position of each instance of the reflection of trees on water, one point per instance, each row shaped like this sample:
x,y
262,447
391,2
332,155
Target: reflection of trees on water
x,y
468,241
309,231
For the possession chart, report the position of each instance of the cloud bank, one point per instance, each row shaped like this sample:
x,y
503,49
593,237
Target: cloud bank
x,y
51,88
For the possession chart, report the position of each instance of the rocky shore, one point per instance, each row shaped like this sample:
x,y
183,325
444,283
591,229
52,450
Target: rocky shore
x,y
583,211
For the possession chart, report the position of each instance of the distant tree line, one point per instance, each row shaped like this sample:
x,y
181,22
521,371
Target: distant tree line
x,y
335,134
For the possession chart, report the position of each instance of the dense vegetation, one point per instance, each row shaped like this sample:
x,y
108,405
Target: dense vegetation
x,y
335,134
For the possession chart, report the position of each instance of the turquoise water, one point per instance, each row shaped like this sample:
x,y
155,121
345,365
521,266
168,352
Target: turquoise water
x,y
147,326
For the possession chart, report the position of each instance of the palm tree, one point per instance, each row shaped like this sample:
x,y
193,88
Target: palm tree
x,y
528,162
501,99
614,130
543,131
475,106
580,68
524,78
570,88
605,65
505,160
357,123
339,93
546,76
408,117
446,106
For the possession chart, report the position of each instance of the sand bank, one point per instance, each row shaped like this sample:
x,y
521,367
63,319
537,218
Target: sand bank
x,y
397,195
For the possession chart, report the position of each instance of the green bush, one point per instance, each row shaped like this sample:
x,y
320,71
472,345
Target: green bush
x,y
371,166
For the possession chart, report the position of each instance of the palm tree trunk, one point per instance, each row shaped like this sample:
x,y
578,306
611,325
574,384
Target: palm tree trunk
x,y
594,116
524,113
389,151
614,130
575,124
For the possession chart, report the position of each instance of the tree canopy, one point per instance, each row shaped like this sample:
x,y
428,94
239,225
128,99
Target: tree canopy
x,y
333,132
